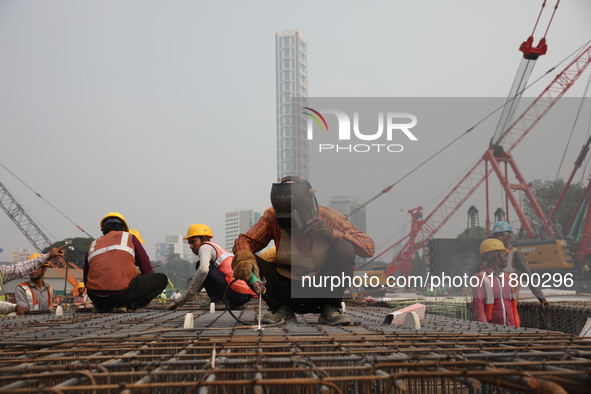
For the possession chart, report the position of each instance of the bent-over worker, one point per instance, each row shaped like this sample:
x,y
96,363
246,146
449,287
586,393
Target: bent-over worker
x,y
311,241
214,272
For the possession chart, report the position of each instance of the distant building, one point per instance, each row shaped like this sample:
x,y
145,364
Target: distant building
x,y
238,222
21,255
348,204
291,68
174,244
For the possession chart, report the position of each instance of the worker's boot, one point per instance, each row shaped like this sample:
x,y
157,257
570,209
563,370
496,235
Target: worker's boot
x,y
121,309
282,315
333,316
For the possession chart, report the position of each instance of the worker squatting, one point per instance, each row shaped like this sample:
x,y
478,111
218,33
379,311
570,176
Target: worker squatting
x,y
360,148
430,281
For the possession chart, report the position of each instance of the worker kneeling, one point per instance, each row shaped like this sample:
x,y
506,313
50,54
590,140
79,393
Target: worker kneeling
x,y
494,300
214,272
310,240
110,274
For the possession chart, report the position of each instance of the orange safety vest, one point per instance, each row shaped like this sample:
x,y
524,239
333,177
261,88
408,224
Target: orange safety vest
x,y
489,300
224,263
81,300
111,262
32,298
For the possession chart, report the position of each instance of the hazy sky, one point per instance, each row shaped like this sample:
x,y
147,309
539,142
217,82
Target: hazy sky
x,y
165,110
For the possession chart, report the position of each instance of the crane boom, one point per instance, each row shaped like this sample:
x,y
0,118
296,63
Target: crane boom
x,y
480,171
29,228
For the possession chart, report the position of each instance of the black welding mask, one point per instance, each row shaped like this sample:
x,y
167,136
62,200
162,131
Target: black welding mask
x,y
295,203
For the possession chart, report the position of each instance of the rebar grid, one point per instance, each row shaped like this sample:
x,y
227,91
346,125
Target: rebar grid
x,y
149,351
569,317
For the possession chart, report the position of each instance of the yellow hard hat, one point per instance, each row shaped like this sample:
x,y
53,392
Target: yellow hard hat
x,y
114,215
137,235
81,285
491,244
33,256
197,230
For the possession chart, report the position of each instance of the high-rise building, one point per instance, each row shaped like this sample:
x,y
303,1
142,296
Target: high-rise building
x,y
348,204
238,222
291,68
174,244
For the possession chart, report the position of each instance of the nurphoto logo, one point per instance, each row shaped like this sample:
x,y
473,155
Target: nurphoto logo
x,y
390,125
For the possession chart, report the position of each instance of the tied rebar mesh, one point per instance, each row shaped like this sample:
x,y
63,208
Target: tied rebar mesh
x,y
150,352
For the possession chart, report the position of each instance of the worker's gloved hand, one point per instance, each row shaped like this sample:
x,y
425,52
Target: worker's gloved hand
x,y
187,297
243,264
544,303
20,310
316,227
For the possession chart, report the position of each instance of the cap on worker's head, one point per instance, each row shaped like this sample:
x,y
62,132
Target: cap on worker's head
x,y
137,235
33,256
113,217
501,227
81,285
197,230
490,245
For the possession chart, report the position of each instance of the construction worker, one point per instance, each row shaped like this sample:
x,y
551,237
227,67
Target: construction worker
x,y
176,295
36,295
312,242
516,262
112,281
214,272
494,300
162,298
81,299
18,270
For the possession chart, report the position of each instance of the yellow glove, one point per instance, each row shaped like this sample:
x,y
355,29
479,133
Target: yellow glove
x,y
243,264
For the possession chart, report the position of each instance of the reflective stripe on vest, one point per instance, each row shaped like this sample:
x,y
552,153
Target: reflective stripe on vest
x,y
224,263
32,298
122,246
490,298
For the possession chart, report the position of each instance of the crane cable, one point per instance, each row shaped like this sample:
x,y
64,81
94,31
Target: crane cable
x,y
551,18
41,197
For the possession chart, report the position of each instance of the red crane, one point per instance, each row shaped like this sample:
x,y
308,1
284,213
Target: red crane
x,y
497,158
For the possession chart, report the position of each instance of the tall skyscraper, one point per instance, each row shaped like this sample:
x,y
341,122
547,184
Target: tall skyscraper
x,y
291,68
238,222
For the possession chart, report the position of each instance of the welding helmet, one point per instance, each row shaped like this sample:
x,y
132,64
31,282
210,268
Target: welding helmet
x,y
295,203
198,230
490,245
113,217
501,227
